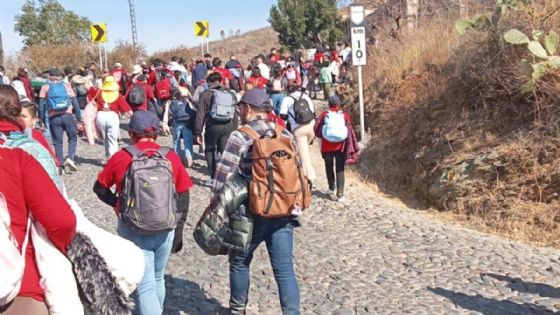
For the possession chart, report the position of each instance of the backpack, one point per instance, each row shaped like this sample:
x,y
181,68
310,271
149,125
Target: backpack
x,y
182,111
163,89
223,105
278,187
24,141
334,127
147,201
302,110
58,99
325,75
137,95
80,90
12,260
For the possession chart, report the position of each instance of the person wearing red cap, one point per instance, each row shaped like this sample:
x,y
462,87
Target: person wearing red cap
x,y
157,245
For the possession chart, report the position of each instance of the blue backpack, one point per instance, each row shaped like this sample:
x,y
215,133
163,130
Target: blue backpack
x,y
58,98
25,142
182,112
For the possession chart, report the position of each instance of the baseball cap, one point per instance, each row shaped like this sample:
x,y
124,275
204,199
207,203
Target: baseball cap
x,y
144,123
256,97
118,65
54,72
334,100
136,69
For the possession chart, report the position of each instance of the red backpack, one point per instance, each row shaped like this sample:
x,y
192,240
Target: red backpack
x,y
163,89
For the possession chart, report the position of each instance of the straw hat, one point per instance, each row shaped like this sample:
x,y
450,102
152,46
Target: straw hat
x,y
110,89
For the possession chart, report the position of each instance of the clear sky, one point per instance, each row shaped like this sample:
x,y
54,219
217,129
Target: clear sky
x,y
161,24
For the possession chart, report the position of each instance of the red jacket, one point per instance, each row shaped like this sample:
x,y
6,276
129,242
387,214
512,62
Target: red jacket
x,y
226,75
28,189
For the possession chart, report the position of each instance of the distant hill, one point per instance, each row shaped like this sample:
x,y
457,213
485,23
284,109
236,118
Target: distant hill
x,y
243,46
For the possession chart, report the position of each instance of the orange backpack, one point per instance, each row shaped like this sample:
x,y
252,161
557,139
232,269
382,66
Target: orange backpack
x,y
278,187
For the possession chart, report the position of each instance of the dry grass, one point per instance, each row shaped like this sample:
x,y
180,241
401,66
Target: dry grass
x,y
436,99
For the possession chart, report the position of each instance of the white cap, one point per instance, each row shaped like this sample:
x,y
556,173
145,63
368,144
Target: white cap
x,y
118,64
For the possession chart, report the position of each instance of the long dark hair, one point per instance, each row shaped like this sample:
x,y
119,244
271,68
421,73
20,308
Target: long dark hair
x,y
10,107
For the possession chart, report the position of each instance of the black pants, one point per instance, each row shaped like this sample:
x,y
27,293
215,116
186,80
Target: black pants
x,y
330,159
215,138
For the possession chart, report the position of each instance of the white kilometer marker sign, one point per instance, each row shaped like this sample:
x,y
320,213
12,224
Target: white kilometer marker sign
x,y
359,56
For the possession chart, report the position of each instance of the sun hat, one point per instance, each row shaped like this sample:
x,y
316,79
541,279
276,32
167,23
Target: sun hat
x,y
110,89
257,98
136,69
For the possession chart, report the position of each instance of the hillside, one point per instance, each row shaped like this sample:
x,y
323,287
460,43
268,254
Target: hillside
x,y
244,46
451,130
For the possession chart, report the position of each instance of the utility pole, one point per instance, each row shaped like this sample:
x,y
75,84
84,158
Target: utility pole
x,y
1,50
133,24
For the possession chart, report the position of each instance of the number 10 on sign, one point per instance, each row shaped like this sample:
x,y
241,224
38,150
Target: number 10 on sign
x,y
359,55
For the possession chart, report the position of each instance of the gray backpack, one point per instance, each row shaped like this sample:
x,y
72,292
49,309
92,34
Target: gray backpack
x,y
147,202
223,105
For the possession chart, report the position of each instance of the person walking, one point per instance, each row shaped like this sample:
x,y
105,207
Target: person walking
x,y
332,126
110,103
58,102
183,117
298,109
151,211
215,111
27,190
276,233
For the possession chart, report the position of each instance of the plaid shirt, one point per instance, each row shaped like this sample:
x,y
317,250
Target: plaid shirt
x,y
237,153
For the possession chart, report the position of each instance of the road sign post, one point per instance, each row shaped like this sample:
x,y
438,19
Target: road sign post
x,y
202,30
359,57
99,36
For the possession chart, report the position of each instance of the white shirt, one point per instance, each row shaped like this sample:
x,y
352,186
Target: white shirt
x,y
287,107
345,52
265,70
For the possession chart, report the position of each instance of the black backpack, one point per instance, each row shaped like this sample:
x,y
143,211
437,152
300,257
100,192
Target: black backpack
x,y
302,110
137,95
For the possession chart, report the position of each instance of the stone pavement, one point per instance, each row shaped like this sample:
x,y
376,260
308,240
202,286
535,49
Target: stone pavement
x,y
368,255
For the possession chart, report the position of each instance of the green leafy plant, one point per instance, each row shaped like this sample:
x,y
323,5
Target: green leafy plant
x,y
543,58
489,23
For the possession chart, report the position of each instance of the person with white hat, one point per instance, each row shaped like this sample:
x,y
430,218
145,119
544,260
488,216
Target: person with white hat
x,y
109,104
136,72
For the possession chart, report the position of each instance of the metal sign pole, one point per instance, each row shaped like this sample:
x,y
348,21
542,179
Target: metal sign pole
x,y
201,46
100,57
207,45
105,52
362,110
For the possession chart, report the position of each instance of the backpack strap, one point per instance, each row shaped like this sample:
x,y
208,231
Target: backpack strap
x,y
133,150
250,132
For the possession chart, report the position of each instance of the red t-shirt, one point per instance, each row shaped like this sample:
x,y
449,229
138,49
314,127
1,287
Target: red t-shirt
x,y
258,82
114,172
327,146
225,74
118,106
149,95
27,188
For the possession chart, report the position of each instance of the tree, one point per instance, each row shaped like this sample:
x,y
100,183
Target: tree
x,y
306,23
50,23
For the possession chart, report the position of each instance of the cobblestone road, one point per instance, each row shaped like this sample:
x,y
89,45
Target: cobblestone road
x,y
366,256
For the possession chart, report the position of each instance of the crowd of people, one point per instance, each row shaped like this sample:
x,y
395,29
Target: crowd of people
x,y
255,121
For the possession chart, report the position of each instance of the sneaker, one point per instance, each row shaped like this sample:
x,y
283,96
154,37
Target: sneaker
x,y
209,183
68,163
332,194
340,199
189,161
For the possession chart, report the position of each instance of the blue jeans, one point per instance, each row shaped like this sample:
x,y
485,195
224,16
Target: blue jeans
x,y
182,130
277,99
58,125
150,293
278,234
